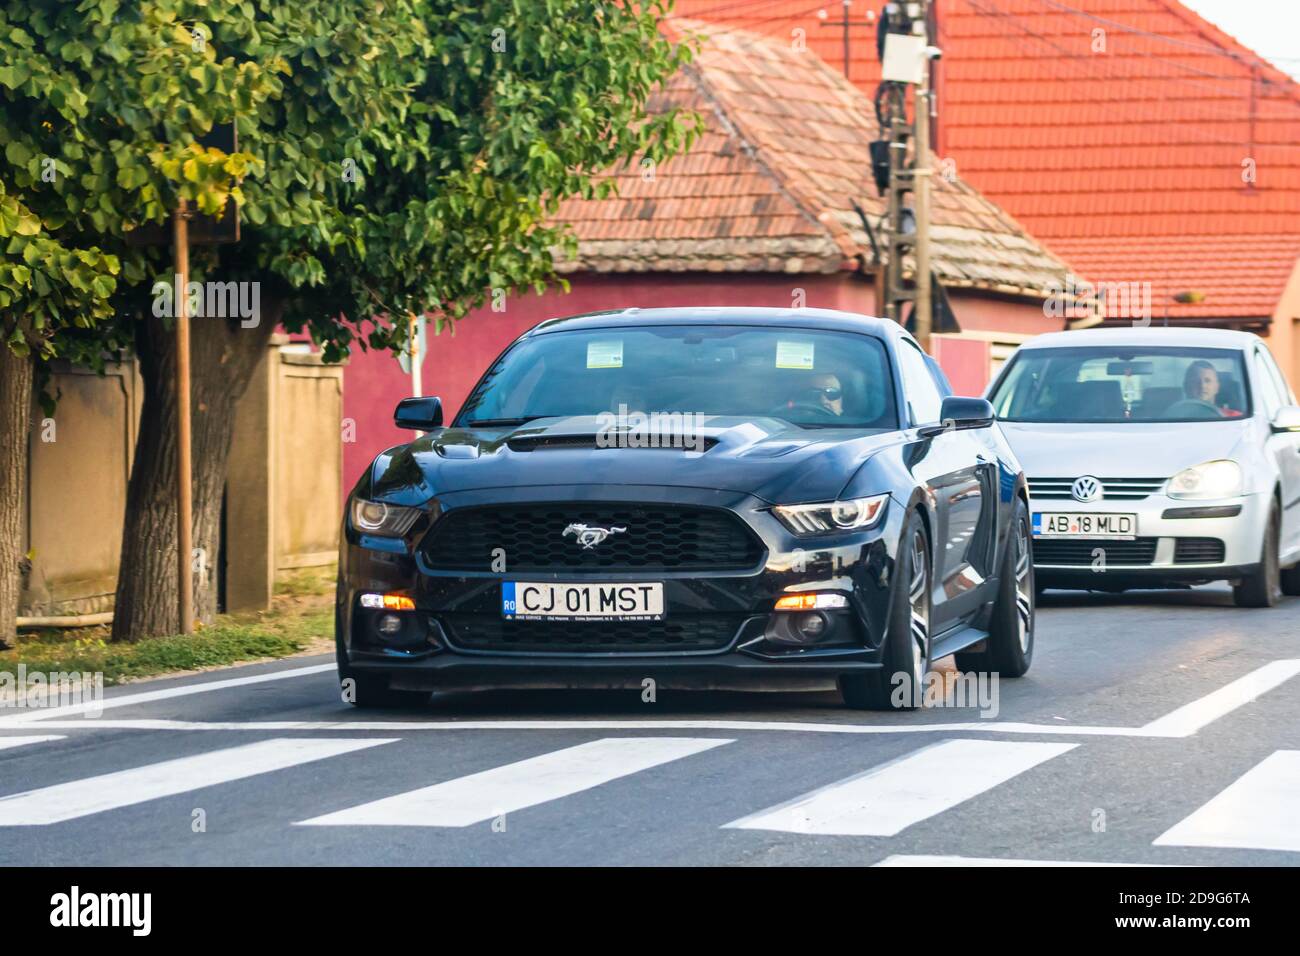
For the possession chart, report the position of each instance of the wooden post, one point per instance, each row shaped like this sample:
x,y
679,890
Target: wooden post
x,y
922,309
184,504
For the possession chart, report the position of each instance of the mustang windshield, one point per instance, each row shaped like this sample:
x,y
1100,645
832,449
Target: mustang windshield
x,y
1119,384
810,378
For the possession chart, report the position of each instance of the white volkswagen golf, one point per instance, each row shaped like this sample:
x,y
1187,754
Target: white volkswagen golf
x,y
1157,458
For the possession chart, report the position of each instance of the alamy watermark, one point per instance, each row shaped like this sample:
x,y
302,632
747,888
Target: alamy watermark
x,y
1079,299
38,689
975,689
625,429
207,300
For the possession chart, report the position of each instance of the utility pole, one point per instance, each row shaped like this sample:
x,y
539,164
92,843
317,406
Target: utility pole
x,y
906,52
921,194
847,26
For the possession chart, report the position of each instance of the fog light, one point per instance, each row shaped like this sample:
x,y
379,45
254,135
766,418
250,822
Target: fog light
x,y
388,624
811,626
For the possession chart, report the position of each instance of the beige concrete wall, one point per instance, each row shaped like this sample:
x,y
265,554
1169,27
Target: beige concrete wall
x,y
286,465
80,460
282,500
309,461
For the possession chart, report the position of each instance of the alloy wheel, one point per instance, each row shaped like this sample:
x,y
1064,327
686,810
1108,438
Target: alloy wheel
x,y
1024,586
918,600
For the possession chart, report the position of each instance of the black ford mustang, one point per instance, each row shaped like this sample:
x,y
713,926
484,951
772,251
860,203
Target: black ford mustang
x,y
700,497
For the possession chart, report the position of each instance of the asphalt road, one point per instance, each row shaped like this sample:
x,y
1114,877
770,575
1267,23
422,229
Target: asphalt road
x,y
1154,728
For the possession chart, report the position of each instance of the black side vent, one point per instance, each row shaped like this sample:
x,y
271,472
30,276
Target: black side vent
x,y
1198,551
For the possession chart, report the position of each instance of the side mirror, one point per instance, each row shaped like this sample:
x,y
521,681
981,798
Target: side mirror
x,y
423,414
965,412
1287,419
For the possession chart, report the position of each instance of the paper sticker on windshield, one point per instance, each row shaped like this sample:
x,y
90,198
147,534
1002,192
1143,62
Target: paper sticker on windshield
x,y
794,354
605,354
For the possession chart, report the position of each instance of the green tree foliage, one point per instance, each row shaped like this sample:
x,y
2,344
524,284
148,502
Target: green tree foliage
x,y
394,157
44,285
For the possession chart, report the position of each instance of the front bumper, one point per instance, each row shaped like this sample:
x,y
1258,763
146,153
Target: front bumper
x,y
1183,541
436,648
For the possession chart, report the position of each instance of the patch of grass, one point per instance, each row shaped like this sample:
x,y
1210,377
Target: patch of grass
x,y
301,618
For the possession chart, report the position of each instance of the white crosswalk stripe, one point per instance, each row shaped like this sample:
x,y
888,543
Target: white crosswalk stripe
x,y
110,791
8,743
986,861
526,783
1256,811
891,797
1260,810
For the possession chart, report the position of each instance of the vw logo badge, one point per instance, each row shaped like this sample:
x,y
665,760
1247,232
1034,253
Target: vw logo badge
x,y
590,535
1087,488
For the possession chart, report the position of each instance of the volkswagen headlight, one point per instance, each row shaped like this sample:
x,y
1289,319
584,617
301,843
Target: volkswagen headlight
x,y
381,518
1211,479
851,514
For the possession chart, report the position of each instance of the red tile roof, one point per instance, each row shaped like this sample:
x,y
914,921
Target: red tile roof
x,y
1122,150
771,183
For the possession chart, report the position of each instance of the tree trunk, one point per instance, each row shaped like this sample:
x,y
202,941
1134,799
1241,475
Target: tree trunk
x,y
15,419
223,357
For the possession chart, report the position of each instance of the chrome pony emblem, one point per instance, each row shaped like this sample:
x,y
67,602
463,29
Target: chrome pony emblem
x,y
1087,488
590,535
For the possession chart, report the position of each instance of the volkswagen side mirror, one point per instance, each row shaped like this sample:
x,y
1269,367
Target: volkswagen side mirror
x,y
1287,419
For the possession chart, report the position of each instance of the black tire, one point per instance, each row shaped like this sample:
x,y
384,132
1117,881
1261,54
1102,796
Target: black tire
x,y
1290,578
1262,587
1009,649
369,691
875,690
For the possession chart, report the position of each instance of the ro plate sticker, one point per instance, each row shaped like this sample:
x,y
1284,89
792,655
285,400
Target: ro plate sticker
x,y
794,354
508,597
605,354
1037,524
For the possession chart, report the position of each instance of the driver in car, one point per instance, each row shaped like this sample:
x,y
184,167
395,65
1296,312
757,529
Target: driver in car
x,y
830,395
821,394
1201,384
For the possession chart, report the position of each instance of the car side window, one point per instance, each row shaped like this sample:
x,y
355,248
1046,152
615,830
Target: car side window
x,y
922,394
1283,389
1267,386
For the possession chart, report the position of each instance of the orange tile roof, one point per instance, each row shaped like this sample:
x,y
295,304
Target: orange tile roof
x,y
1122,150
771,183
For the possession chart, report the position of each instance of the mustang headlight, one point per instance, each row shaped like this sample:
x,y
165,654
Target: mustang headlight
x,y
851,514
378,517
1211,479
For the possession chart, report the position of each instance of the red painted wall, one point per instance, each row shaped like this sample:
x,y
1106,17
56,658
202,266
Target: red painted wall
x,y
977,311
964,361
374,383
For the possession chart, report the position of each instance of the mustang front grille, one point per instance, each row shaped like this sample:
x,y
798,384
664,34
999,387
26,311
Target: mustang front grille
x,y
543,536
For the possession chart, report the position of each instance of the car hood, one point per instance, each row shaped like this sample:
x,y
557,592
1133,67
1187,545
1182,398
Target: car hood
x,y
766,457
1133,450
